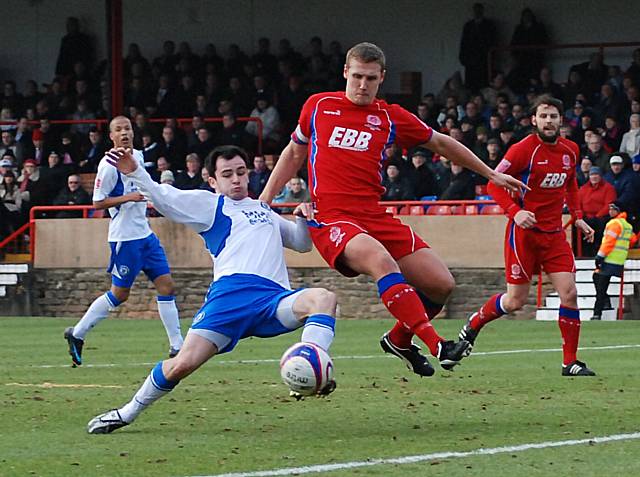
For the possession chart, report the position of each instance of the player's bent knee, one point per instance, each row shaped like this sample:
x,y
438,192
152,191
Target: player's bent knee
x,y
320,300
182,367
514,303
121,294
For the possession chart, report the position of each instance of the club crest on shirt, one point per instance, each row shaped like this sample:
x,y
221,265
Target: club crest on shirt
x,y
123,270
198,317
566,161
373,122
336,235
515,271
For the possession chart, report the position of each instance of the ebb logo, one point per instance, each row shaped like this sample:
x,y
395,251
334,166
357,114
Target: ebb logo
x,y
346,138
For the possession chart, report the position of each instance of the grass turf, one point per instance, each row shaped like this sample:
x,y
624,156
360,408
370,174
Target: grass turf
x,y
235,416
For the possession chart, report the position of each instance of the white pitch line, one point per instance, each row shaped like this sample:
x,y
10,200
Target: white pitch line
x,y
413,459
377,356
47,385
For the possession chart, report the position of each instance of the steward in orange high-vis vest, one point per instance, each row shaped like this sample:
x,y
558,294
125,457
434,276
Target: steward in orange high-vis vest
x,y
618,238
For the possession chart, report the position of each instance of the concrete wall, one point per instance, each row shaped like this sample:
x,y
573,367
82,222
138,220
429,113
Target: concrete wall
x,y
418,35
462,241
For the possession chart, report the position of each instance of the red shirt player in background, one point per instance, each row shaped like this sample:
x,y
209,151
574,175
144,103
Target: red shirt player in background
x,y
534,237
345,135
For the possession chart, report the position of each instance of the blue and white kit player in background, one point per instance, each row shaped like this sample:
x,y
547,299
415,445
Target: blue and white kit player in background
x,y
134,248
250,294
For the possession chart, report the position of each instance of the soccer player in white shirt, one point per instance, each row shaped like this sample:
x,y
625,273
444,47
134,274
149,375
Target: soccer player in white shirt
x,y
250,294
134,248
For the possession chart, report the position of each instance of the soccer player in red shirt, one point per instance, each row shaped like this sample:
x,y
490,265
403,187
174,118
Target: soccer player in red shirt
x,y
534,237
345,135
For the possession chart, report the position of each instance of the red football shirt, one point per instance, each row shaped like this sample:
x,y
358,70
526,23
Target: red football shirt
x,y
550,171
346,146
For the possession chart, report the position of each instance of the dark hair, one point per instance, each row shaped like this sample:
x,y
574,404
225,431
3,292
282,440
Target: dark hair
x,y
367,53
226,152
547,100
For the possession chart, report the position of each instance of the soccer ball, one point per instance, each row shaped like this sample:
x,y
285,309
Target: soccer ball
x,y
306,368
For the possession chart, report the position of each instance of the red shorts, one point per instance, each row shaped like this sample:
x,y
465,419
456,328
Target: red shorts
x,y
526,252
332,231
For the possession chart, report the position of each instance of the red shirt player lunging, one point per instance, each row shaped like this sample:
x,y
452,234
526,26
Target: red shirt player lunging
x,y
534,237
345,135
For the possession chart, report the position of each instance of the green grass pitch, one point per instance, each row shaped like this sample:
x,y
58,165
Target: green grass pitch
x,y
236,417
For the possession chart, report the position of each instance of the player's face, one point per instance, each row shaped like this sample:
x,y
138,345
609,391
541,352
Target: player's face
x,y
121,132
547,121
363,81
231,178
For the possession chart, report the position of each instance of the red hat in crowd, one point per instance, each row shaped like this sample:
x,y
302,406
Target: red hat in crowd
x,y
30,161
37,135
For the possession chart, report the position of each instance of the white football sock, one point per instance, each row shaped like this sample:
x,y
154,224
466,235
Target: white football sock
x,y
171,320
319,330
97,312
153,388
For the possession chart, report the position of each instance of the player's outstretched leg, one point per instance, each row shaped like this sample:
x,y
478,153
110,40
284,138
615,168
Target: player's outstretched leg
x,y
488,312
97,312
163,378
411,355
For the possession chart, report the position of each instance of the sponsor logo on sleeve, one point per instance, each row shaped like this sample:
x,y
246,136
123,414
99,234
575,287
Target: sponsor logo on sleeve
x,y
503,166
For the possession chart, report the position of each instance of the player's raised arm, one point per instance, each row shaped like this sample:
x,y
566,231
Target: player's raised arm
x,y
458,153
195,208
290,162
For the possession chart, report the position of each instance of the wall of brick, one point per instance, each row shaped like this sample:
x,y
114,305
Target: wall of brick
x,y
68,292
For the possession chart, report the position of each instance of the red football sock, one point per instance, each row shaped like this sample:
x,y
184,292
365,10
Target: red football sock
x,y
403,303
569,323
400,335
488,312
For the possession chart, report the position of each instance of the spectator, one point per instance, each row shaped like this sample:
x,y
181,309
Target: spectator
x,y
491,157
295,194
232,132
596,153
627,185
630,143
420,175
582,172
593,72
396,186
92,151
162,165
634,68
527,63
204,173
461,186
442,172
270,118
166,63
167,178
192,177
10,145
506,137
197,121
454,87
608,105
75,47
594,198
205,144
10,204
150,150
7,164
30,185
478,37
171,149
82,113
291,98
635,166
611,134
498,87
72,194
53,177
258,176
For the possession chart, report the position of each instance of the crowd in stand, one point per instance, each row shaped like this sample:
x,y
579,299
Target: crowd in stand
x,y
602,115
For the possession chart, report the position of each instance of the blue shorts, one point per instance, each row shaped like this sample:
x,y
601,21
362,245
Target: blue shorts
x,y
242,305
130,257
